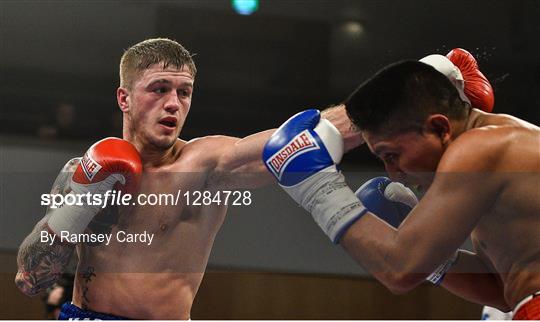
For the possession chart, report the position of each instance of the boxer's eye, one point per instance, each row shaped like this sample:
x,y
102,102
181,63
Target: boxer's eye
x,y
184,93
161,90
390,157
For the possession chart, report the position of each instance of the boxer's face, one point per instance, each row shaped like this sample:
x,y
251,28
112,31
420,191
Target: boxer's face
x,y
159,102
409,157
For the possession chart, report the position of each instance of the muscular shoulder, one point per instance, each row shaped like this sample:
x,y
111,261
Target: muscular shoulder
x,y
504,120
209,149
491,148
474,150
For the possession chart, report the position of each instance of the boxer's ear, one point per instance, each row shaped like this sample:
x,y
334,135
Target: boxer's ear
x,y
122,95
439,125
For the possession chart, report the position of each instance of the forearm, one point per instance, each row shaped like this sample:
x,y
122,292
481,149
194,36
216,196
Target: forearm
x,y
472,280
240,166
39,263
376,246
352,138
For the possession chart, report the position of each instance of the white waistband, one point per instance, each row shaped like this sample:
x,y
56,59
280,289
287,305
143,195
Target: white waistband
x,y
525,300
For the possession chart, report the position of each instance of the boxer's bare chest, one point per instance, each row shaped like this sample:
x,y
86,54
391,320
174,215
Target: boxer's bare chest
x,y
508,233
507,240
160,218
169,246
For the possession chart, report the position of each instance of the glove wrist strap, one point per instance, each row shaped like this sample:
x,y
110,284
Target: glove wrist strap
x,y
333,205
438,275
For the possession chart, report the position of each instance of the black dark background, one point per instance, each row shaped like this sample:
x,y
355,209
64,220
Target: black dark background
x,y
254,71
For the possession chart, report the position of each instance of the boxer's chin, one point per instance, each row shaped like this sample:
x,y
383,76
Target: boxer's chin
x,y
164,142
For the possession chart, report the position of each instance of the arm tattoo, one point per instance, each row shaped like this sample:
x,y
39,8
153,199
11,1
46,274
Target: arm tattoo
x,y
41,264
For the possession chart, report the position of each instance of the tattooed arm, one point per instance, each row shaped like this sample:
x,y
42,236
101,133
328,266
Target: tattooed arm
x,y
41,264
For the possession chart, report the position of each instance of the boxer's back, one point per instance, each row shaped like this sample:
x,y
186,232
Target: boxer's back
x,y
141,280
508,234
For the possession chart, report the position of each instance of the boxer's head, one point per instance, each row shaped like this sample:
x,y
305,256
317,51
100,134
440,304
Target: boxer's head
x,y
156,84
408,114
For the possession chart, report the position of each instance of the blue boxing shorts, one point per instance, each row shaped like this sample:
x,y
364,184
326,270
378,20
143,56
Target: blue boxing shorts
x,y
72,312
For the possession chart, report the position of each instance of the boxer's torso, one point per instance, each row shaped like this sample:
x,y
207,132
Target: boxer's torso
x,y
508,236
159,279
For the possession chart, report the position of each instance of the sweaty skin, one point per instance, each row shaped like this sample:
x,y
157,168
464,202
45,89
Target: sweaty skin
x,y
157,281
481,179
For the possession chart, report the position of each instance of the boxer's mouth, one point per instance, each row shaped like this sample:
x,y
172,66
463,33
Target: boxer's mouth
x,y
169,122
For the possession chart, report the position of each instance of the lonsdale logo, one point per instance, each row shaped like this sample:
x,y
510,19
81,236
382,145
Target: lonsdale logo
x,y
90,166
298,145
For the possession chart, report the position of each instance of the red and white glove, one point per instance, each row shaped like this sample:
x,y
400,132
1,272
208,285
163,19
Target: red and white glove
x,y
477,87
106,163
462,70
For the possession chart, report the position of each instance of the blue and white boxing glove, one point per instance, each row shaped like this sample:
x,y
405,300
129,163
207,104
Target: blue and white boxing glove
x,y
302,154
390,201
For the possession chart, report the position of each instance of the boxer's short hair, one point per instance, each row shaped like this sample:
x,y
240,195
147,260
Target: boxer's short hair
x,y
140,56
401,96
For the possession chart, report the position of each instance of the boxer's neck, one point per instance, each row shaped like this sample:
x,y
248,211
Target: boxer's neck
x,y
458,127
473,121
476,119
155,158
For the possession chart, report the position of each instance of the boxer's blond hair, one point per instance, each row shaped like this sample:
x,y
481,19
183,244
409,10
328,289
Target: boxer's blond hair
x,y
142,55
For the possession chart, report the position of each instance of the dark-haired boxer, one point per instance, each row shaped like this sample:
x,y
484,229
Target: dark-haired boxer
x,y
479,171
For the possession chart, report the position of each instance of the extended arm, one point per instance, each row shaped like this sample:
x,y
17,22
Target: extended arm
x,y
337,115
239,162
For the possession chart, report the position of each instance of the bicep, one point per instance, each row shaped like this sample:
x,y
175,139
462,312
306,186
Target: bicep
x,y
237,153
238,162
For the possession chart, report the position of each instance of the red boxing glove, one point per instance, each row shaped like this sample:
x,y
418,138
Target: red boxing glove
x,y
477,87
110,156
107,163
